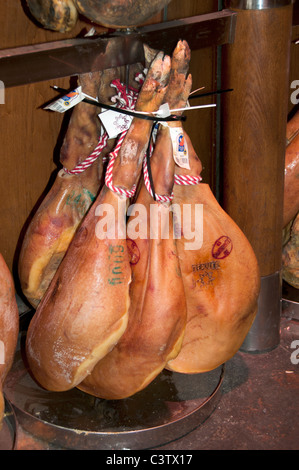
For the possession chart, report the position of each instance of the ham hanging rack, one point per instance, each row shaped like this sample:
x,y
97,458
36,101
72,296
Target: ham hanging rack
x,y
52,60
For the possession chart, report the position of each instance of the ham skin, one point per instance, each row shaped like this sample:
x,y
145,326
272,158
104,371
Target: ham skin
x,y
50,233
9,326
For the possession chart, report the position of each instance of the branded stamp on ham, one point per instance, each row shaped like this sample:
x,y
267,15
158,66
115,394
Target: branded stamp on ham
x,y
134,252
222,247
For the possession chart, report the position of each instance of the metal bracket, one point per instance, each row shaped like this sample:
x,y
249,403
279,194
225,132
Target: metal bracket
x,y
52,60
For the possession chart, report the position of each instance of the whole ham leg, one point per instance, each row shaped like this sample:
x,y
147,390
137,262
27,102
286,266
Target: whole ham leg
x,y
85,309
59,215
157,313
220,275
9,326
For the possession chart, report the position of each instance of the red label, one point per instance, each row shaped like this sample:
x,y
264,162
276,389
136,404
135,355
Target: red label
x,y
222,247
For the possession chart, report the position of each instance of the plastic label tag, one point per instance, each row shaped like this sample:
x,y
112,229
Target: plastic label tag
x,y
67,101
115,123
180,148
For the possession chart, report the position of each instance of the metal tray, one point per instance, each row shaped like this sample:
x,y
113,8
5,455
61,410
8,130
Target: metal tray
x,y
170,407
8,429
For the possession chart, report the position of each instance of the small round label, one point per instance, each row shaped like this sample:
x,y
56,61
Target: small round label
x,y
222,247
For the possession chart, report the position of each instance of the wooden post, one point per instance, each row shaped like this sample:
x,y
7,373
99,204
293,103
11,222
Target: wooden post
x,y
254,118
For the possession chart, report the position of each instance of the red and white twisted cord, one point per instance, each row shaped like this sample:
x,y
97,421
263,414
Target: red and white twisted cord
x,y
185,180
126,97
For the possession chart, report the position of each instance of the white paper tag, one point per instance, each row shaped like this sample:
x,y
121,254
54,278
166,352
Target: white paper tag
x,y
180,148
67,101
115,123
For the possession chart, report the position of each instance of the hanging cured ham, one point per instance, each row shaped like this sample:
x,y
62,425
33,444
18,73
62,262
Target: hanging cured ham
x,y
290,256
119,13
291,176
9,326
85,309
157,313
59,215
290,251
220,275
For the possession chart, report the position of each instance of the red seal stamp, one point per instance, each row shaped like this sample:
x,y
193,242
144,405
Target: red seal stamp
x,y
222,247
133,250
